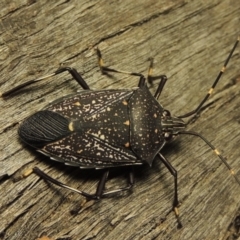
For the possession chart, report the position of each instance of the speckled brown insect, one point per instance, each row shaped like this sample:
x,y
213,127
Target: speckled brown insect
x,y
109,128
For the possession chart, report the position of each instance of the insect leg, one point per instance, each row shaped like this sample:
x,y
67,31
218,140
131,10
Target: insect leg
x,y
173,171
104,69
150,79
72,71
101,185
128,187
198,109
100,188
60,184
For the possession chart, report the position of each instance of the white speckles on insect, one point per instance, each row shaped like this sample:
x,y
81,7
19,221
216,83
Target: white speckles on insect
x,y
77,104
70,126
124,102
86,107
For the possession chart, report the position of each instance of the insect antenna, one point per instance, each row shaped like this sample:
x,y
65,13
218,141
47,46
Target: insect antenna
x,y
196,111
214,150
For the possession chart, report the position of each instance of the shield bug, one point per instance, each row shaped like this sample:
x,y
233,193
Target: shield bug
x,y
109,128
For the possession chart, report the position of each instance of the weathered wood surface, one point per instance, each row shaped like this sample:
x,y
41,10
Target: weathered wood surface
x,y
189,41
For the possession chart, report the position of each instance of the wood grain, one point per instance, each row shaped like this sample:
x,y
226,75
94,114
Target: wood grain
x,y
189,41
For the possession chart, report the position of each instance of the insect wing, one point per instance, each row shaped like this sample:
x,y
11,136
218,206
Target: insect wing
x,y
89,151
100,131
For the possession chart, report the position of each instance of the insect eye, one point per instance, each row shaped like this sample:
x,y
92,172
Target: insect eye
x,y
166,113
168,136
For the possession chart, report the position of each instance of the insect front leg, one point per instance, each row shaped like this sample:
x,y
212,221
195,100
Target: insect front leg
x,y
163,79
173,171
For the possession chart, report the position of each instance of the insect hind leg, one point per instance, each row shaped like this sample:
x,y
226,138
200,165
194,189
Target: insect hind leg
x,y
100,187
71,71
46,177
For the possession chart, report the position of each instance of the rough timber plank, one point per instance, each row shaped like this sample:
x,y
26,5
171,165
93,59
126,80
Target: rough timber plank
x,y
189,41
